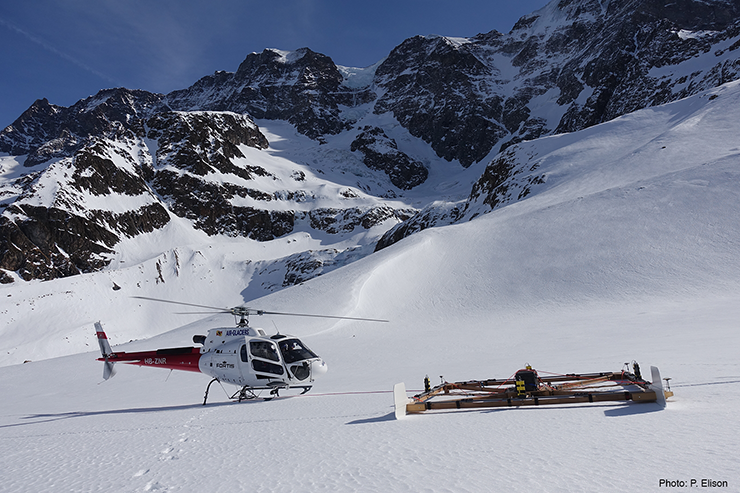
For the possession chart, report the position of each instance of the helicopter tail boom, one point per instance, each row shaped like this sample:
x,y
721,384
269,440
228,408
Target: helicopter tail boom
x,y
184,358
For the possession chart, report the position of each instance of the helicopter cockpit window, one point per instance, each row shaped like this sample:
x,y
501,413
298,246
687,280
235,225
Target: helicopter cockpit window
x,y
244,353
293,350
263,349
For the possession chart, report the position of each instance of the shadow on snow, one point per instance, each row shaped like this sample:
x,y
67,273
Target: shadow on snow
x,y
33,419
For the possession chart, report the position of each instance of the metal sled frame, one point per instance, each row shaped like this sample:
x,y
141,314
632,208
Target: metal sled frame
x,y
538,391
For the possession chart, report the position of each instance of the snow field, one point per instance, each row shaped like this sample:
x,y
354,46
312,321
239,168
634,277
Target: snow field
x,y
146,431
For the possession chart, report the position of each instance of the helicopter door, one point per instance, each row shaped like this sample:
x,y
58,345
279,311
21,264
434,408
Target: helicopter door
x,y
225,366
265,359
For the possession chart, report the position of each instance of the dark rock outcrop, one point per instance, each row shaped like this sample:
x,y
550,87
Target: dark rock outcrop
x,y
585,60
46,131
590,61
441,92
302,87
381,153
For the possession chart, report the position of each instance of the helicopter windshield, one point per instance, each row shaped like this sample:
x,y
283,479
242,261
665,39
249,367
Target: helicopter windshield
x,y
293,350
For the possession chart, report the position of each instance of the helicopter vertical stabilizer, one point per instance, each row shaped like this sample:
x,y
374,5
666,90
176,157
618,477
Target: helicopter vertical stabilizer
x,y
105,349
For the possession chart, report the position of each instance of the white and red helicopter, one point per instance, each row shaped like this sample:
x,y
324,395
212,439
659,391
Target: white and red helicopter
x,y
243,356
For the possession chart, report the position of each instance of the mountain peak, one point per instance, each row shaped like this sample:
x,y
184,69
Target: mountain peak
x,y
272,59
290,57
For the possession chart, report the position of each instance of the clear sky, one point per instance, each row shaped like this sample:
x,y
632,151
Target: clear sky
x,y
67,50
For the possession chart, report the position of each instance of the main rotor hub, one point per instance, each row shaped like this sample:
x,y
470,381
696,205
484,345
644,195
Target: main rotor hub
x,y
242,314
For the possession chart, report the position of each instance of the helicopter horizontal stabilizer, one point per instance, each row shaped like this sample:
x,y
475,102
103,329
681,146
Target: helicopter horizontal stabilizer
x,y
105,350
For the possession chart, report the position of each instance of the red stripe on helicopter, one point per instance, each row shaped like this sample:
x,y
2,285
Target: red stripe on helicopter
x,y
185,358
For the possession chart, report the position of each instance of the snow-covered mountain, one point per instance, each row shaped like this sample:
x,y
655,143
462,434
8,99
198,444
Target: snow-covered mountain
x,y
291,143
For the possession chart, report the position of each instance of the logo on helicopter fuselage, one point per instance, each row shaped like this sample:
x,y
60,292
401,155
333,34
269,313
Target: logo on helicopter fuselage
x,y
237,332
224,364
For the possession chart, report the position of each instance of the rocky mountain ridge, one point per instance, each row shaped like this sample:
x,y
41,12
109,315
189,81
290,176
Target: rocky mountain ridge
x,y
123,163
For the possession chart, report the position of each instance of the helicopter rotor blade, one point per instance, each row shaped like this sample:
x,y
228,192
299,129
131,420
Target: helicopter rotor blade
x,y
246,311
202,313
218,309
264,312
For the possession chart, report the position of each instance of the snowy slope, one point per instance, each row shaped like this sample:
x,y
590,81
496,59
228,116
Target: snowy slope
x,y
629,250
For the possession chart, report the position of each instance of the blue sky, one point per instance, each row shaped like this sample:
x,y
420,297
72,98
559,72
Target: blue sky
x,y
67,50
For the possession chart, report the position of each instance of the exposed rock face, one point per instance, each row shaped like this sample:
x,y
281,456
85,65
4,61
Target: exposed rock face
x,y
504,181
381,153
36,246
441,92
302,87
205,142
197,144
629,68
334,221
568,66
155,162
435,214
46,131
50,230
588,61
303,266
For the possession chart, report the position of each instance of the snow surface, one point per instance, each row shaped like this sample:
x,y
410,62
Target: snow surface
x,y
630,251
355,77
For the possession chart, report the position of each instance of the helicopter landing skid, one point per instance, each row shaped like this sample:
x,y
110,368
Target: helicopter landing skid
x,y
244,394
274,392
247,393
205,398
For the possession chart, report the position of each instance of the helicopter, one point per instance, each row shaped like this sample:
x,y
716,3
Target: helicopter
x,y
244,356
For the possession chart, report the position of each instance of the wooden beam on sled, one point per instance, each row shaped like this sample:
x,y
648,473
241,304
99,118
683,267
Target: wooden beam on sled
x,y
573,398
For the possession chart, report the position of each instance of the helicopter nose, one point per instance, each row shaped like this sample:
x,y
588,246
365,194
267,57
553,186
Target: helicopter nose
x,y
318,368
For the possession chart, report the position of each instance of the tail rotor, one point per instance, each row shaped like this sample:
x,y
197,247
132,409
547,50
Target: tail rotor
x,y
108,370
